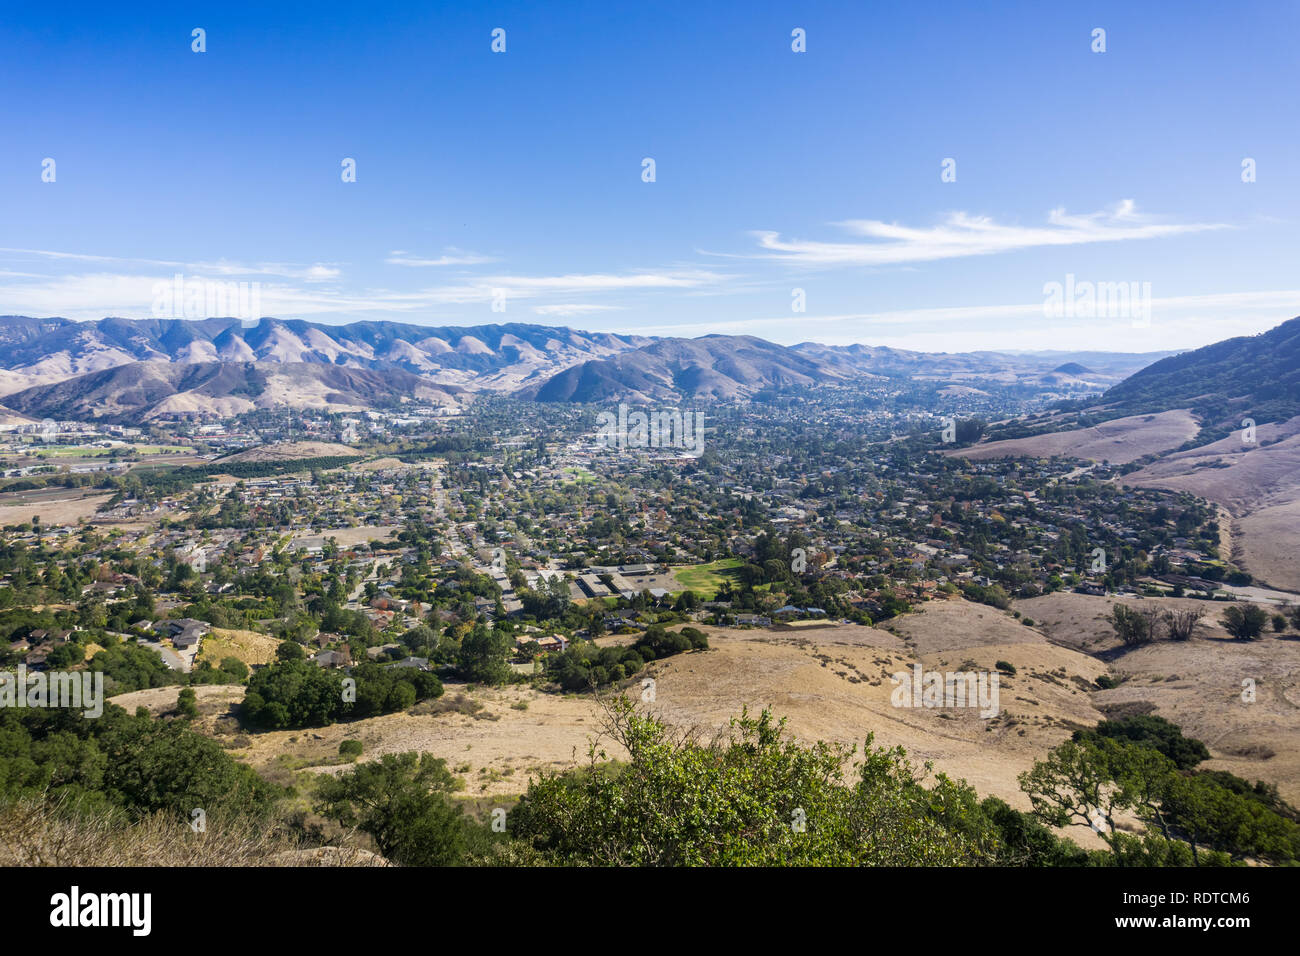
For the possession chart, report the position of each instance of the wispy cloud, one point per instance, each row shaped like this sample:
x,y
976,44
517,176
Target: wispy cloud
x,y
962,234
452,257
314,290
571,309
487,288
1185,321
314,272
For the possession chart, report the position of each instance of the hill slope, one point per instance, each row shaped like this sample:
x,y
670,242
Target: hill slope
x,y
711,367
145,390
1248,377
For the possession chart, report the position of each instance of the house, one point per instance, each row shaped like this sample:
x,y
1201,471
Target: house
x,y
181,625
337,658
185,632
194,555
102,588
186,639
555,642
790,611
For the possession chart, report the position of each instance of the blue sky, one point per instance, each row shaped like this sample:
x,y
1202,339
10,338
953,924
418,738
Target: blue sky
x,y
518,175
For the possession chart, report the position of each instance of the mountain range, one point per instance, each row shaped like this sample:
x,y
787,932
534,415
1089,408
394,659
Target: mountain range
x,y
138,369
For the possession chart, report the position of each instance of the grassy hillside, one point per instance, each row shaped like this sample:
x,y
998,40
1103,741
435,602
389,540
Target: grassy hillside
x,y
1248,377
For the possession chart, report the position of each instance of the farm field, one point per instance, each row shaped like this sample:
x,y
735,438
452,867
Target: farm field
x,y
54,506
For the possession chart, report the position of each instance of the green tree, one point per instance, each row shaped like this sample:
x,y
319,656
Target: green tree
x,y
1095,781
1233,821
1245,623
482,657
290,651
186,703
401,801
294,693
1134,627
1151,731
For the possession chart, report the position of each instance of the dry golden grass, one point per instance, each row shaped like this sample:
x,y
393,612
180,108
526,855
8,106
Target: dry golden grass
x,y
1197,684
1258,484
1268,544
831,682
67,507
834,683
288,451
249,646
1119,441
213,699
41,832
496,748
382,464
350,537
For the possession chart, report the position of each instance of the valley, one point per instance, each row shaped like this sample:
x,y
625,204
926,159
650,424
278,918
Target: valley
x,y
507,573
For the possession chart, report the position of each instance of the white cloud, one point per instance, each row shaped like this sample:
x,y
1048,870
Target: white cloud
x,y
97,294
485,288
962,234
315,272
1177,322
452,257
570,309
319,272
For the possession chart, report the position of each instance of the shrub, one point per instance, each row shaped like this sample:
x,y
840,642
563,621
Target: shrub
x,y
1245,623
742,797
402,801
1134,627
186,703
350,748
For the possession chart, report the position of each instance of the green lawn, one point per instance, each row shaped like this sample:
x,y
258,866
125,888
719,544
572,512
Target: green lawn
x,y
704,579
